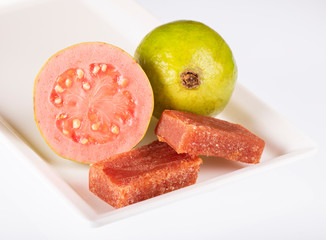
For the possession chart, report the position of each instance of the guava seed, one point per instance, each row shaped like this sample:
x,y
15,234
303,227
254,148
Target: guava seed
x,y
86,86
76,123
61,116
104,67
96,69
95,126
122,81
65,132
68,82
115,129
84,141
80,73
57,100
58,89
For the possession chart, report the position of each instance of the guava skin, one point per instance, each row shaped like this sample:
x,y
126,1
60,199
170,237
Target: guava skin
x,y
180,47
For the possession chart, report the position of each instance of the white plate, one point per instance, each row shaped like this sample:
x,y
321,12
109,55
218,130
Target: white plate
x,y
33,31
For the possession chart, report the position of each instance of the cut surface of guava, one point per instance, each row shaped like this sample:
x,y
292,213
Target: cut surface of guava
x,y
92,100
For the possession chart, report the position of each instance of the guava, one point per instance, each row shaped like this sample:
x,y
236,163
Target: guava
x,y
190,66
92,100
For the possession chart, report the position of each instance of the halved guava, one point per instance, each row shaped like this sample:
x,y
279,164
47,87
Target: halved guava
x,y
92,100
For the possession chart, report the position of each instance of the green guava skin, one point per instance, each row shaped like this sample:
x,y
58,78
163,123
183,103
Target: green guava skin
x,y
173,48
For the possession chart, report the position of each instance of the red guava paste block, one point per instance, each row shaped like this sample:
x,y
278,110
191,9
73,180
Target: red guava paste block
x,y
201,135
142,173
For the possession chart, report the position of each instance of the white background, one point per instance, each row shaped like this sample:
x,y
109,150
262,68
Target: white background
x,y
280,49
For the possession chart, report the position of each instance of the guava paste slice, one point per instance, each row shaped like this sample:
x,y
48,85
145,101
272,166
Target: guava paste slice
x,y
201,135
142,173
92,100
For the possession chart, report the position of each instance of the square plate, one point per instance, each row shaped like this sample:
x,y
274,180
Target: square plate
x,y
33,31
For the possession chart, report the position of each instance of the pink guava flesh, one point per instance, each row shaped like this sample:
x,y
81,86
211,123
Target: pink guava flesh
x,y
92,100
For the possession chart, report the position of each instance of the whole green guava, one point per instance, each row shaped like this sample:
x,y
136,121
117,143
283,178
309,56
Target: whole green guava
x,y
190,67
